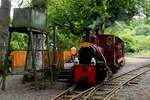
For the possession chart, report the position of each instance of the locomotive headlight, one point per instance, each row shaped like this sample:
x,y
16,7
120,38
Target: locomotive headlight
x,y
93,61
76,60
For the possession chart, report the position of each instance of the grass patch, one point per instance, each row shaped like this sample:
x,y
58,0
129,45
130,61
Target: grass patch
x,y
139,54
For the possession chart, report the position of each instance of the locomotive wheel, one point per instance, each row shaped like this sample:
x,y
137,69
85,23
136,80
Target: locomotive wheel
x,y
122,63
114,68
103,72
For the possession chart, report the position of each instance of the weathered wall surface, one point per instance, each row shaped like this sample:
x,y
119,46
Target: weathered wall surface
x,y
39,5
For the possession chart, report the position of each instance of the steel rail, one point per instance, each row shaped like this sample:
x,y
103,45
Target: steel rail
x,y
81,94
92,91
72,97
128,72
62,93
116,89
88,93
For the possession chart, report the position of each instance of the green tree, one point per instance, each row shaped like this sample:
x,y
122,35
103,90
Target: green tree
x,y
145,4
136,34
73,15
142,30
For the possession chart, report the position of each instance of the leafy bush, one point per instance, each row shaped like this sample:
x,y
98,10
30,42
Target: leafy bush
x,y
19,41
142,30
136,34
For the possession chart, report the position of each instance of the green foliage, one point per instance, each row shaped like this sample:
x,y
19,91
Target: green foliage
x,y
143,30
146,7
136,34
65,42
73,15
19,41
142,42
143,53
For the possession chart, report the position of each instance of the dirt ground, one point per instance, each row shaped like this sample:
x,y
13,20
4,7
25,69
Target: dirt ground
x,y
15,90
140,90
132,63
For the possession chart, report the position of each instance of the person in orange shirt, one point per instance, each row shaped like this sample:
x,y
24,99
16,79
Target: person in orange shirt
x,y
73,52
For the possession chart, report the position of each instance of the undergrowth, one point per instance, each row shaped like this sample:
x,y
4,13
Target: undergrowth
x,y
139,54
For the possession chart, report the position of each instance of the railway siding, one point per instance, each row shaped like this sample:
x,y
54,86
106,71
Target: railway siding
x,y
107,89
137,89
113,86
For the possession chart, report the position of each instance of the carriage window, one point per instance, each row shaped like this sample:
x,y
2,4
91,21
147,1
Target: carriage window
x,y
109,40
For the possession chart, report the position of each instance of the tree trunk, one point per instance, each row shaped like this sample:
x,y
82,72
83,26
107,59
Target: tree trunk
x,y
4,25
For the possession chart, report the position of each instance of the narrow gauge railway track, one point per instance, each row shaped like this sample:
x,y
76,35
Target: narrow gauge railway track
x,y
109,88
72,94
105,90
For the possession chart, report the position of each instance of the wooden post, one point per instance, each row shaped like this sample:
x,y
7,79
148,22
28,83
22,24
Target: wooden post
x,y
33,61
43,52
28,53
54,42
55,53
27,57
49,66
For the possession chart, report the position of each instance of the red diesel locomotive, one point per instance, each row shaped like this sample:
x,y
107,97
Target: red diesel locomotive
x,y
97,58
